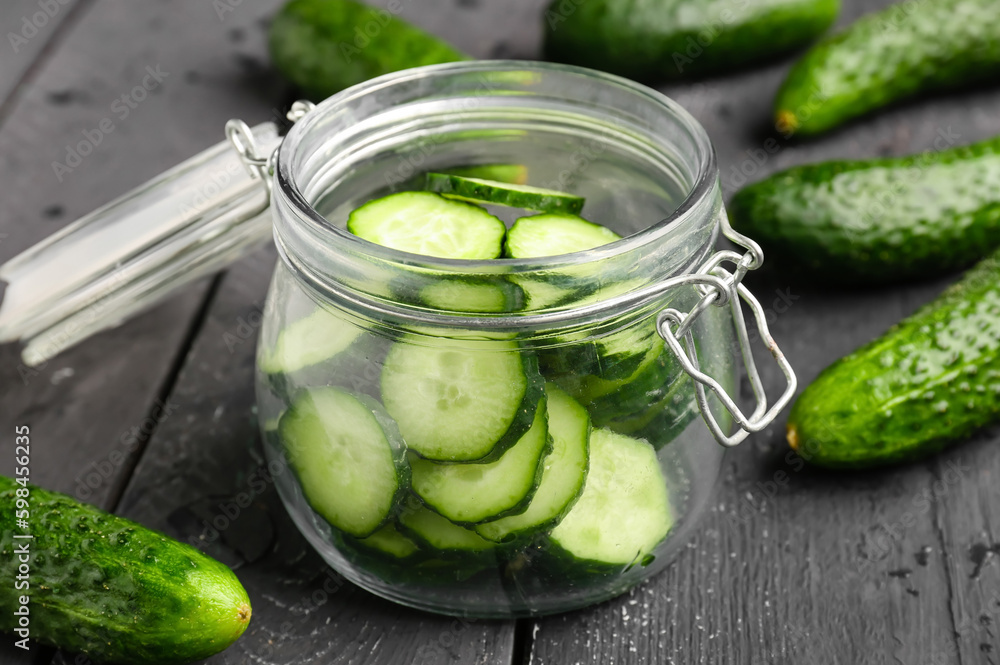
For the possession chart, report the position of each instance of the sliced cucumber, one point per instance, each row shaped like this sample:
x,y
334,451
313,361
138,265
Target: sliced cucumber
x,y
459,402
349,458
554,234
480,190
438,533
620,354
308,341
540,294
563,471
623,512
662,420
428,224
470,295
516,174
470,493
388,540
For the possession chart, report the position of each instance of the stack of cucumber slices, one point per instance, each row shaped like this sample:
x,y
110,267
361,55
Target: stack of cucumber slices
x,y
477,451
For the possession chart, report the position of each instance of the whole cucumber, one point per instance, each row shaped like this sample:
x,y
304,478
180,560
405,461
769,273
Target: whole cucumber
x,y
930,381
664,39
880,220
911,47
324,46
104,586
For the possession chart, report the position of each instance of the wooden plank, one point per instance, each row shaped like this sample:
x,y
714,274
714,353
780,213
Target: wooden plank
x,y
27,28
967,514
199,468
85,406
118,374
798,565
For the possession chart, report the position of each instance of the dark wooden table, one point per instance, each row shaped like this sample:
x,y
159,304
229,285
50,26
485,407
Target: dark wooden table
x,y
790,565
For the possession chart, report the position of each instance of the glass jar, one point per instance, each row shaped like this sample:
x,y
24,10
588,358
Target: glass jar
x,y
480,353
483,438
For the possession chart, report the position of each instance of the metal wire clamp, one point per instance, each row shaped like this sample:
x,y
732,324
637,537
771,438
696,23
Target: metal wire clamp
x,y
260,166
675,326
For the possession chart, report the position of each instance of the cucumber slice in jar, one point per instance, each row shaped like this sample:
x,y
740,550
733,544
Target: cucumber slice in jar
x,y
665,419
552,234
480,190
469,493
438,533
461,402
349,458
308,341
563,471
641,393
428,224
471,295
623,512
516,174
390,542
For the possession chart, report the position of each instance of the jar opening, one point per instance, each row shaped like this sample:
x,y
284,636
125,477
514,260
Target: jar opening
x,y
644,164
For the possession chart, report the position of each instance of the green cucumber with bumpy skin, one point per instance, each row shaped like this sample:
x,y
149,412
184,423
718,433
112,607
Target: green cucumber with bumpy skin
x,y
669,39
880,220
113,590
930,381
904,50
482,191
325,46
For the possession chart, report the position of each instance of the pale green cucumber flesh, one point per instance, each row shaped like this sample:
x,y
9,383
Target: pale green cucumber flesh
x,y
350,462
563,471
470,493
624,511
430,225
492,192
552,234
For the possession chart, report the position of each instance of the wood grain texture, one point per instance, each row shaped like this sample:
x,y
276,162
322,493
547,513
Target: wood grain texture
x,y
86,406
27,27
793,565
87,402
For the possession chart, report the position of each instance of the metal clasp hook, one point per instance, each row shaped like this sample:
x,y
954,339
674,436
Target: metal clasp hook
x,y
730,292
258,165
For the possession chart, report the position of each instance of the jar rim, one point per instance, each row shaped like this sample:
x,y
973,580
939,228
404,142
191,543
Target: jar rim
x,y
701,188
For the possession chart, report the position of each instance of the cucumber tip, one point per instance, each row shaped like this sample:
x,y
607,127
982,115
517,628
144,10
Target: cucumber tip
x,y
786,122
792,435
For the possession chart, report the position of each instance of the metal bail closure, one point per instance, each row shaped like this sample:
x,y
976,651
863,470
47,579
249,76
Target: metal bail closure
x,y
674,326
